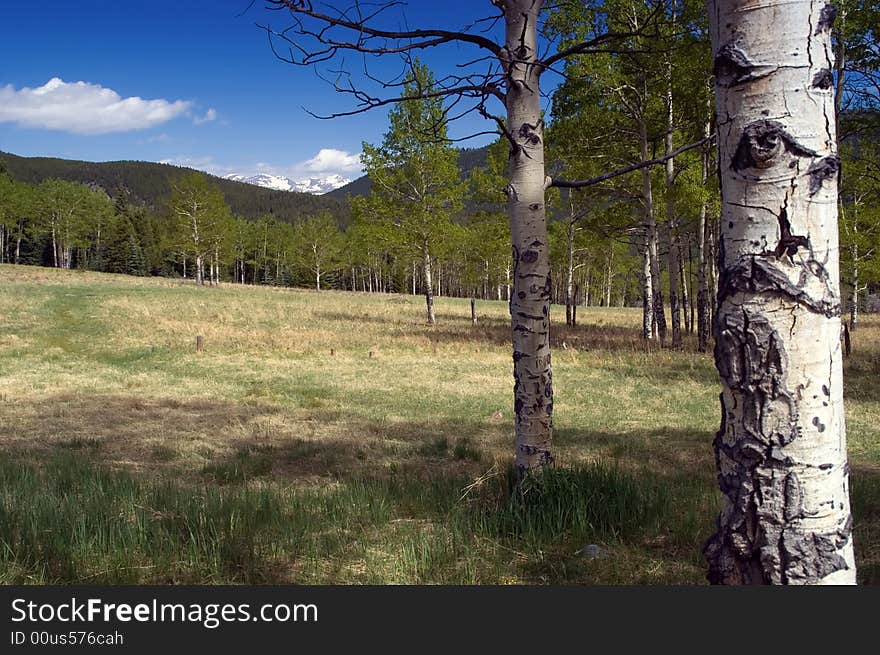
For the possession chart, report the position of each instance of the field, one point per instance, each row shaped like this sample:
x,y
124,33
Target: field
x,y
335,438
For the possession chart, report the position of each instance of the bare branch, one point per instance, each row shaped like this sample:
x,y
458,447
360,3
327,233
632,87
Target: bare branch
x,y
580,184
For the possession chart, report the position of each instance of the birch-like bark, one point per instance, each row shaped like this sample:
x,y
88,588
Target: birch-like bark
x,y
648,322
54,245
651,277
530,299
683,282
609,280
569,273
674,306
854,299
703,236
781,448
200,270
429,291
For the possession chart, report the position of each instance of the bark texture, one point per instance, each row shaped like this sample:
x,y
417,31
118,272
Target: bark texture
x,y
781,448
530,300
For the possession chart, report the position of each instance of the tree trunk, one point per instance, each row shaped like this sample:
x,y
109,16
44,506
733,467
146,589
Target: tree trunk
x,y
702,282
569,273
55,247
683,281
781,450
429,291
609,280
200,271
473,310
530,299
854,301
649,325
651,276
673,256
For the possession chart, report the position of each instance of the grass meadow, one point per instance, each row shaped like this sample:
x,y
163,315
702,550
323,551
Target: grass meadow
x,y
334,438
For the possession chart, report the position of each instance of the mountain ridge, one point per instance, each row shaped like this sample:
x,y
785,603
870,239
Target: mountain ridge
x,y
149,183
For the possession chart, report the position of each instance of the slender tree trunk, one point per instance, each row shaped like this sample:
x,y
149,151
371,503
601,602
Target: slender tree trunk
x,y
781,448
609,280
569,273
651,277
854,301
429,291
530,300
685,296
713,269
55,247
649,325
473,309
200,271
671,219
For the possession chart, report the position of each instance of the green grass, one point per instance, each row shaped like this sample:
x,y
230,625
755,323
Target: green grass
x,y
128,457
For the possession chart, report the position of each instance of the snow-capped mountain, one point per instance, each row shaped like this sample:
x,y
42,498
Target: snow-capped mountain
x,y
314,185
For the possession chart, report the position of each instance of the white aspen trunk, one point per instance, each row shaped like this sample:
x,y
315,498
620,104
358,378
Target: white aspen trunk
x,y
683,281
649,325
569,273
530,300
414,278
609,281
781,448
703,324
658,319
673,256
55,246
588,288
854,300
429,291
200,271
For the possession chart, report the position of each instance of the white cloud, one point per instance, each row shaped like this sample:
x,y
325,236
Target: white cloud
x,y
209,116
329,160
326,163
83,108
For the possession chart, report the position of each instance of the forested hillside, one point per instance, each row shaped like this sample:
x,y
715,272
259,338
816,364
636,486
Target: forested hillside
x,y
149,184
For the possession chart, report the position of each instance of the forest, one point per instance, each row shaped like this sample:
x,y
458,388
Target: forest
x,y
684,167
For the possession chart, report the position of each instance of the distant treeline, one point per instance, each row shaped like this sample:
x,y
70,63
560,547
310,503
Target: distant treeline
x,y
149,184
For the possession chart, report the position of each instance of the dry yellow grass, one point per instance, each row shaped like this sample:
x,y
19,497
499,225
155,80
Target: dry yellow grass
x,y
338,386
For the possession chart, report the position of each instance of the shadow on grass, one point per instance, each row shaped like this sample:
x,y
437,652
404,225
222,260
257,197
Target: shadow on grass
x,y
414,502
67,520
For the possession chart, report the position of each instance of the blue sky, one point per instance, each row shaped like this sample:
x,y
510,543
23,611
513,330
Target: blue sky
x,y
195,84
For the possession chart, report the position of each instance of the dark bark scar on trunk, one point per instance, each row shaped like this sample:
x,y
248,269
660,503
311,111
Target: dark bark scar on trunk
x,y
823,169
732,66
826,19
761,144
